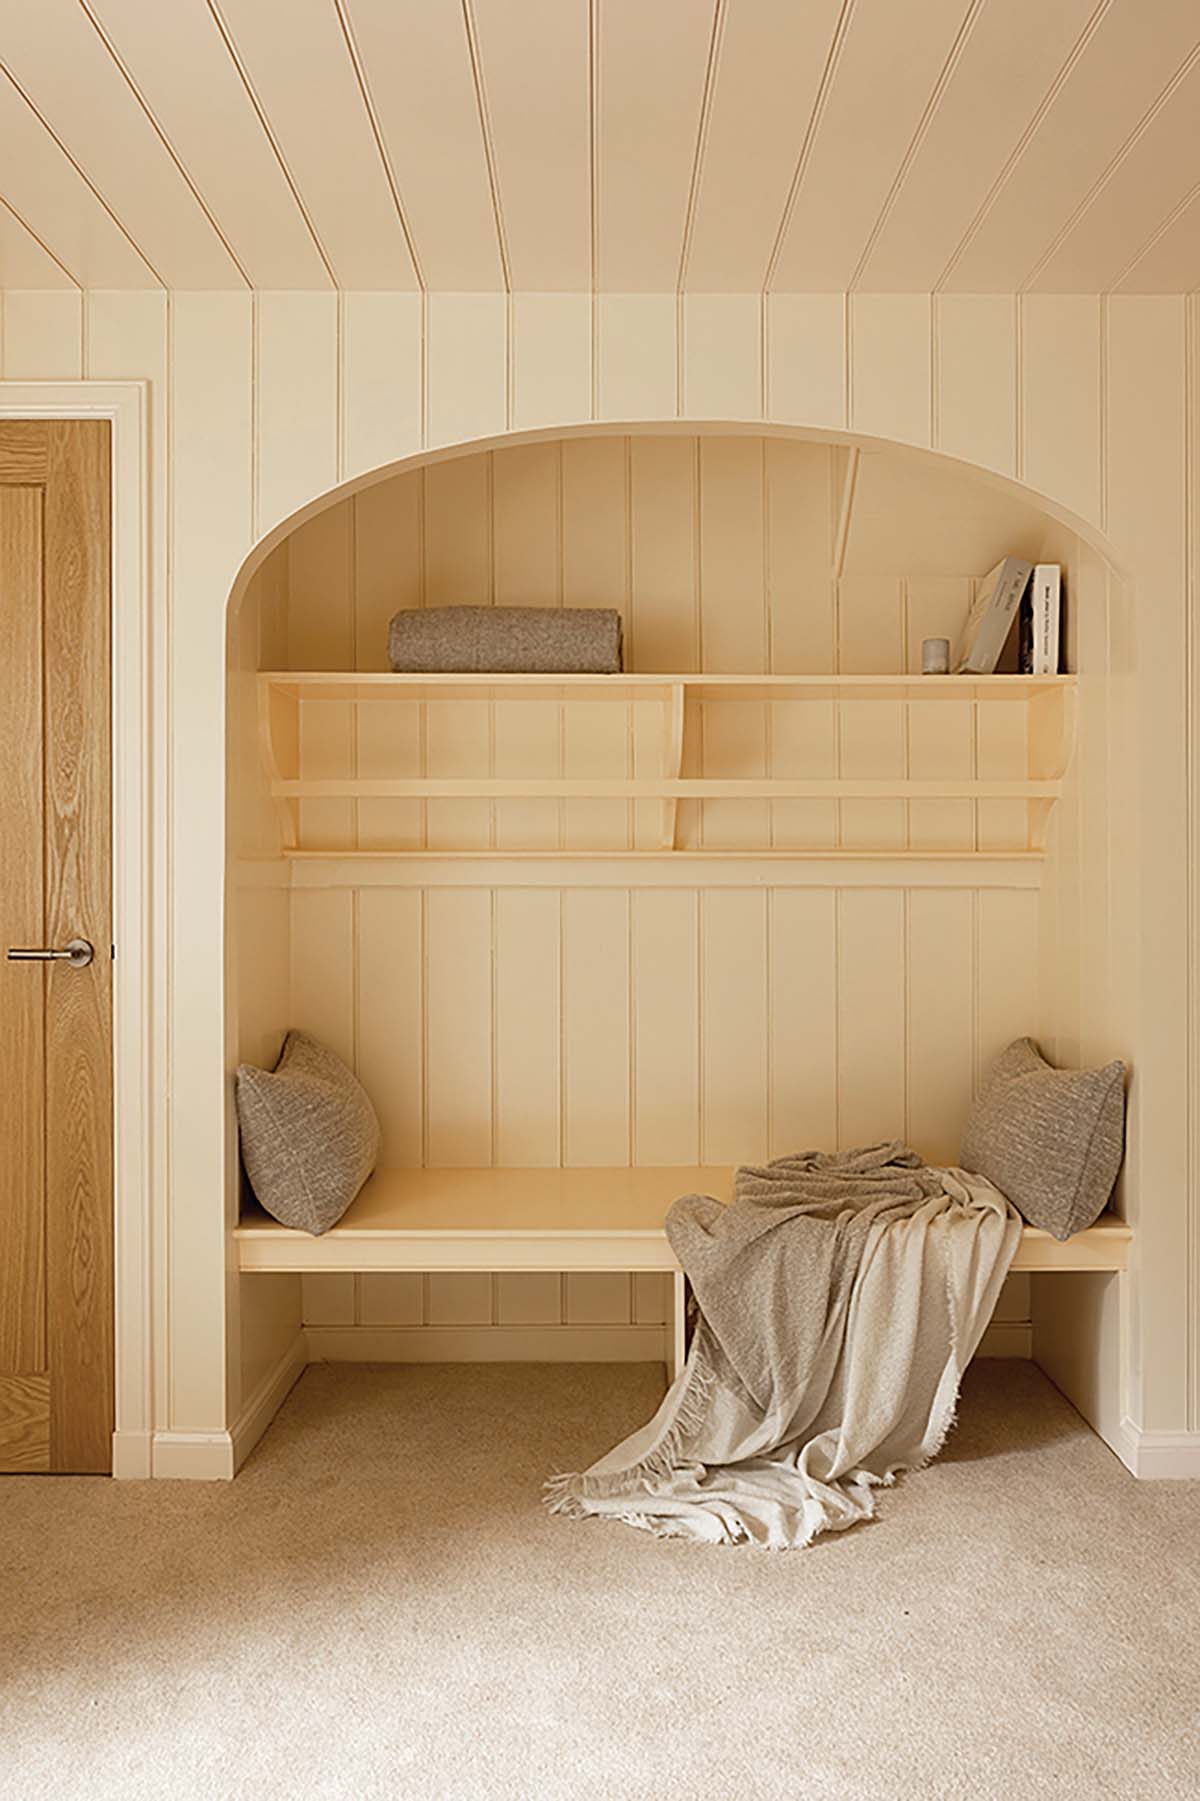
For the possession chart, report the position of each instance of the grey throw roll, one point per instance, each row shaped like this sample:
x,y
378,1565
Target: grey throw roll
x,y
506,640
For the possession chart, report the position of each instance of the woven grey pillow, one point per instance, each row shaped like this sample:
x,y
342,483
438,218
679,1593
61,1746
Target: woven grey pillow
x,y
1050,1139
310,1137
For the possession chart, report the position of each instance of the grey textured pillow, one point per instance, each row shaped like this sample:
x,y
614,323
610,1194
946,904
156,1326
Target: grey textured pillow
x,y
1050,1139
310,1137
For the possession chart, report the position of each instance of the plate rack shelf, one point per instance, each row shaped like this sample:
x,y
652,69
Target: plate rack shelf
x,y
832,739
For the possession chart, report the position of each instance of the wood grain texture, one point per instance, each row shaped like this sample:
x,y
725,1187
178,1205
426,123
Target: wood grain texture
x,y
78,903
22,451
24,1423
22,985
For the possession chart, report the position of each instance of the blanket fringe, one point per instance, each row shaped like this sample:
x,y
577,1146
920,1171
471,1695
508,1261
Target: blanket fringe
x,y
569,1494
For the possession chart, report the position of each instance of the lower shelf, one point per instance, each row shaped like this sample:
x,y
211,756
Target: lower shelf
x,y
552,1219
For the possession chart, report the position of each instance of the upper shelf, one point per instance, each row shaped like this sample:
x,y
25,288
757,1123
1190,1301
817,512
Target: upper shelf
x,y
362,685
873,768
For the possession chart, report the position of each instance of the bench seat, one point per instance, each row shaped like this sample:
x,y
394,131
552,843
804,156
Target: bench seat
x,y
552,1219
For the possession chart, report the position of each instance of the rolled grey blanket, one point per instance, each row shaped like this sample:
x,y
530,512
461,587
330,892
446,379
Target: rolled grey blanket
x,y
507,640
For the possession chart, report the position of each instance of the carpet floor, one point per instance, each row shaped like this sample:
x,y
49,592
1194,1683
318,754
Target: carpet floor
x,y
379,1607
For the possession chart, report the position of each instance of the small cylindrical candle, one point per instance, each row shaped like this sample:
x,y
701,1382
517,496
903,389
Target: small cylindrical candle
x,y
935,656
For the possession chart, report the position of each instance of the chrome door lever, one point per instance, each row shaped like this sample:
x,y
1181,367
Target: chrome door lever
x,y
77,952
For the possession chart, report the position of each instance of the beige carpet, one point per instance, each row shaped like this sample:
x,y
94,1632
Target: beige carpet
x,y
379,1607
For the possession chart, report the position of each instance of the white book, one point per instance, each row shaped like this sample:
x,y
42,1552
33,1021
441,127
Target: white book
x,y
1045,601
991,617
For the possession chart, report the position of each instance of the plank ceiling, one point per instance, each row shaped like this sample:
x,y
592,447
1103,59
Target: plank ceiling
x,y
621,145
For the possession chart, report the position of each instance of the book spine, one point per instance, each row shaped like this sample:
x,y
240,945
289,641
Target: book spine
x,y
1046,594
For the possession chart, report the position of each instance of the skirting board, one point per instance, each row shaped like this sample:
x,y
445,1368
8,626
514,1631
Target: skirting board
x,y
1159,1456
487,1344
548,1344
217,1456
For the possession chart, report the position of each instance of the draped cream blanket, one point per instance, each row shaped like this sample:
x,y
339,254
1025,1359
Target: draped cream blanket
x,y
840,1296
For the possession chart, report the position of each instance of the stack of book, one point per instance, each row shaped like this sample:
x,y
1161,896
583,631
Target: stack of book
x,y
1014,590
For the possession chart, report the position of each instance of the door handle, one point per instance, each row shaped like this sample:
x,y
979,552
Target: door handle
x,y
77,952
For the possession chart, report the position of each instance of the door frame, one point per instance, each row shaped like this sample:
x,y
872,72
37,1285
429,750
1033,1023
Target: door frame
x,y
138,616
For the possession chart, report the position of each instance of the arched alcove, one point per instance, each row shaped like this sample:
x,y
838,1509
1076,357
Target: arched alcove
x,y
533,977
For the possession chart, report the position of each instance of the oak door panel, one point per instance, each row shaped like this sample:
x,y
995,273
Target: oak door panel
x,y
56,1233
78,1001
22,987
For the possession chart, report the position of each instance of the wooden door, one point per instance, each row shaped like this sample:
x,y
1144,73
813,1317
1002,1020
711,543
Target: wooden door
x,y
56,1322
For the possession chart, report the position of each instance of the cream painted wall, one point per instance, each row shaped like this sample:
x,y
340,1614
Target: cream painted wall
x,y
261,402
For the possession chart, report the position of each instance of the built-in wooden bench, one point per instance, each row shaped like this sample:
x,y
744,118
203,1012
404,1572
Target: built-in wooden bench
x,y
555,1219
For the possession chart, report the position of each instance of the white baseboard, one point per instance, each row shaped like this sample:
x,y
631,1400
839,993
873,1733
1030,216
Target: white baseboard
x,y
217,1456
1007,1338
192,1456
132,1455
487,1344
266,1400
1159,1456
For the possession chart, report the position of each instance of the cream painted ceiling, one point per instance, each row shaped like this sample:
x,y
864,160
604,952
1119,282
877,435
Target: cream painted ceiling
x,y
619,145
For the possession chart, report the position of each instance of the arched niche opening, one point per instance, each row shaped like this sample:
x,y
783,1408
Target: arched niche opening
x,y
606,977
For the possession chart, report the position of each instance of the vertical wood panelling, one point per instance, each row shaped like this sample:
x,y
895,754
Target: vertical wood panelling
x,y
390,1003
210,453
1007,971
325,946
468,366
722,356
296,389
803,1020
1060,399
527,1027
321,614
1147,439
527,530
890,366
43,335
871,1016
595,522
667,1126
663,629
388,561
596,1026
458,1047
940,960
381,379
975,399
458,532
552,359
819,942
733,613
806,359
635,356
733,951
799,584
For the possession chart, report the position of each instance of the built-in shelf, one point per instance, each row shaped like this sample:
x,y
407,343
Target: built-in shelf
x,y
670,709
381,685
553,1219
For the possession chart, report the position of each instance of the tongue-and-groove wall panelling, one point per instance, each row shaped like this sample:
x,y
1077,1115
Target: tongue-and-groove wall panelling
x,y
258,402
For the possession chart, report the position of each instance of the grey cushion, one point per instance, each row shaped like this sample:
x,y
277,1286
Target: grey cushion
x,y
1050,1139
310,1137
504,640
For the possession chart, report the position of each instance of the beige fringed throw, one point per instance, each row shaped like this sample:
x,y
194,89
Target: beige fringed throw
x,y
840,1296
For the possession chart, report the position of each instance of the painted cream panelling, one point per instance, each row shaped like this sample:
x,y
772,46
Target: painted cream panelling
x,y
467,339
43,335
381,379
805,356
552,359
1061,443
975,394
1083,434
